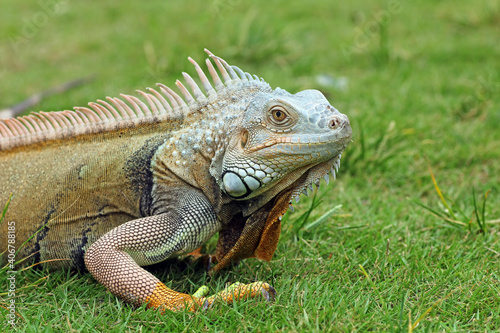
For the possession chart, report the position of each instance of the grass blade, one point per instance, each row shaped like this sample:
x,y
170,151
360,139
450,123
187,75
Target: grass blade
x,y
322,218
438,191
437,214
484,206
4,211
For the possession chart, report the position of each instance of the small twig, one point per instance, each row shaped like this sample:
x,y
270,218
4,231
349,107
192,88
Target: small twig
x,y
36,98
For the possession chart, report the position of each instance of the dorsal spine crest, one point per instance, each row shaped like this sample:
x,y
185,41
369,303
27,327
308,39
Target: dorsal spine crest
x,y
129,111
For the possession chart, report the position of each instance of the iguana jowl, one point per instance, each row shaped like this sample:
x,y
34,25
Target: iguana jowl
x,y
131,182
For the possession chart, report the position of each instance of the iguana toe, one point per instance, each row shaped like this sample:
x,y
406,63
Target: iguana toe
x,y
201,292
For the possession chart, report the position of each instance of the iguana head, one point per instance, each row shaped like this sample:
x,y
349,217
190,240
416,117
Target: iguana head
x,y
258,141
282,138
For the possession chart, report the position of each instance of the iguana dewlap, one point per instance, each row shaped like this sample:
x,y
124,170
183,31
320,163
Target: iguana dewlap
x,y
133,181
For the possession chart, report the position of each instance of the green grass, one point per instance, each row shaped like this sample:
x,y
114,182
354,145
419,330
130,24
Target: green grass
x,y
422,91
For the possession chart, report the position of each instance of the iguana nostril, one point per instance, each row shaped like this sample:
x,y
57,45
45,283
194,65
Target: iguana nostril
x,y
334,123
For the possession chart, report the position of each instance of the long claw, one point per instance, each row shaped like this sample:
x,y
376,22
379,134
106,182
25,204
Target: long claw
x,y
266,295
272,292
206,305
209,263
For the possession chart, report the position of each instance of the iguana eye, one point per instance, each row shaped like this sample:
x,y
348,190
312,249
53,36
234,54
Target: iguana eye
x,y
279,115
280,118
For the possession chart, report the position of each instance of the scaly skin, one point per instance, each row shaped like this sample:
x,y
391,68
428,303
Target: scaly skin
x,y
127,184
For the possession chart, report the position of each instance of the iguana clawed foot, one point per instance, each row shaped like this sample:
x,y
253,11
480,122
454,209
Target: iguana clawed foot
x,y
236,291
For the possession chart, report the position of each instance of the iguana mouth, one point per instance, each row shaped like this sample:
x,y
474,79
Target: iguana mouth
x,y
305,142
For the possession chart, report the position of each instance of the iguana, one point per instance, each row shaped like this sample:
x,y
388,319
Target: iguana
x,y
131,182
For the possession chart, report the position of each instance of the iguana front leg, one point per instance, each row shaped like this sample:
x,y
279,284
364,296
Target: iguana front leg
x,y
115,259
